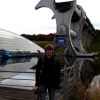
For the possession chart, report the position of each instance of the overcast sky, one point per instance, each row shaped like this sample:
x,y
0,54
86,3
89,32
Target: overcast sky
x,y
19,16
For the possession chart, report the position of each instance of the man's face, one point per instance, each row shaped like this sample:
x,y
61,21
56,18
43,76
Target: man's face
x,y
49,53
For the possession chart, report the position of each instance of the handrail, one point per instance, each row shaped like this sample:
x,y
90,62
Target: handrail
x,y
68,68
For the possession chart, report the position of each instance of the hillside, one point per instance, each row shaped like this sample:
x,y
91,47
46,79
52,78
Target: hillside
x,y
42,39
95,46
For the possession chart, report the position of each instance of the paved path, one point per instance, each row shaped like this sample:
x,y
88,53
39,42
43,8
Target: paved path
x,y
16,94
19,94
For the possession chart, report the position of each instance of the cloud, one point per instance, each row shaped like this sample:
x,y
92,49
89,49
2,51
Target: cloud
x,y
19,16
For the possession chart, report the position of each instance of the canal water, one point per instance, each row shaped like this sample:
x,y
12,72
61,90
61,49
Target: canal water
x,y
20,73
83,77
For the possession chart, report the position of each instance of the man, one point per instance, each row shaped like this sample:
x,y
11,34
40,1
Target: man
x,y
48,74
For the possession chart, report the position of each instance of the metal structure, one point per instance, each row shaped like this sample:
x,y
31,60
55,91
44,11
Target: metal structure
x,y
74,30
75,72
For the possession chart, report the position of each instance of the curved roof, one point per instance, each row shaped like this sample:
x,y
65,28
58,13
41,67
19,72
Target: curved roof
x,y
12,41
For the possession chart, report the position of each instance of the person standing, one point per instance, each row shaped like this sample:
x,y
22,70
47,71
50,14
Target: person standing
x,y
48,74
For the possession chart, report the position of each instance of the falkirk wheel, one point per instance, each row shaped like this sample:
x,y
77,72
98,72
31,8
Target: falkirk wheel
x,y
74,30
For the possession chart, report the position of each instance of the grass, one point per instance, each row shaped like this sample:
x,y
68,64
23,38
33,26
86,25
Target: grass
x,y
43,43
92,93
95,46
81,91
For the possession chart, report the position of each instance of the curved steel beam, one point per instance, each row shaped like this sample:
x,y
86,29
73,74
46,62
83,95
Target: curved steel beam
x,y
63,13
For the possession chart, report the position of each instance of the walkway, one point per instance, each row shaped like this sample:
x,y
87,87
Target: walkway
x,y
19,94
16,94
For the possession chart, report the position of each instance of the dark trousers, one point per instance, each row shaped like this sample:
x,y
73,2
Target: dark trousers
x,y
51,92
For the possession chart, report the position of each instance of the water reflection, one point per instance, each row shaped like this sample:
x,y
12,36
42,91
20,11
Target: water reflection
x,y
76,70
87,72
17,72
14,60
18,64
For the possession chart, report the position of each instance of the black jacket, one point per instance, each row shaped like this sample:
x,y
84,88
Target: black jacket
x,y
48,72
